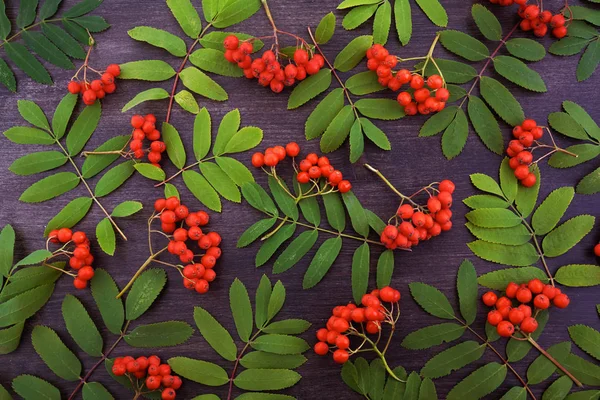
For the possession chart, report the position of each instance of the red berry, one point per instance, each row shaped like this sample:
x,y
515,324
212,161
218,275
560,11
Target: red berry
x,y
597,250
231,42
344,186
340,356
561,300
80,283
511,290
530,180
292,149
321,348
529,325
524,295
536,286
74,87
505,329
516,315
489,299
300,56
113,69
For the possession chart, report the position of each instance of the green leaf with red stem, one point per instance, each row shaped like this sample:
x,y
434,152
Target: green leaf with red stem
x,y
453,359
309,88
62,361
144,292
187,16
105,291
215,334
431,300
81,327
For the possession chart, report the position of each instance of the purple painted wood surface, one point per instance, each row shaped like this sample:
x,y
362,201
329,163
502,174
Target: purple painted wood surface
x,y
412,163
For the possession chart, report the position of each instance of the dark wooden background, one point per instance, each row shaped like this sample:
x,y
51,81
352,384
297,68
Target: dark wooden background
x,y
412,163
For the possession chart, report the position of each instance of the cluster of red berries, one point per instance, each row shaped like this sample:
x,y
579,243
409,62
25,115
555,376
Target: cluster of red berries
x,y
98,88
157,376
536,20
80,258
339,324
423,100
311,167
196,276
420,223
505,317
520,159
267,69
144,127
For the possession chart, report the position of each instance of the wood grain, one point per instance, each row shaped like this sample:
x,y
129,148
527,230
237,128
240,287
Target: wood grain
x,y
412,163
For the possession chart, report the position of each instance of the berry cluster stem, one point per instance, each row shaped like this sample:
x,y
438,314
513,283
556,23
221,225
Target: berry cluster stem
x,y
142,268
487,63
87,376
389,184
237,363
553,360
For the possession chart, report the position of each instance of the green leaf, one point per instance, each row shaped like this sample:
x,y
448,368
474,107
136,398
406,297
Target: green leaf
x,y
587,64
144,292
585,371
274,242
324,113
438,122
309,206
95,391
77,31
25,279
187,17
375,222
567,235
375,135
518,72
7,77
214,40
199,371
159,38
65,42
486,21
527,197
568,46
584,152
479,383
427,390
567,125
453,359
358,16
385,268
203,191
5,25
229,126
276,300
114,178
105,291
325,29
295,251
280,344
105,234
385,109
235,11
433,335
46,50
284,201
527,49
498,279
431,300
310,88
213,332
455,135
501,100
55,354
200,83
33,114
95,163
9,341
241,309
558,389
584,395
186,100
235,170
588,339
50,187
413,385
126,209
322,261
151,172
35,257
261,302
338,130
382,23
220,181
463,45
27,135
202,134
161,334
515,235
81,327
170,191
212,60
493,218
360,271
147,70
288,327
31,387
255,231
541,368
23,59
403,20
434,11
578,275
508,181
454,72
334,208
353,3
24,305
358,218
35,163
92,23
485,125
485,201
82,8
516,350
245,139
364,83
146,95
353,53
466,285
518,256
552,209
83,128
377,375
175,148
583,118
266,379
258,198
260,359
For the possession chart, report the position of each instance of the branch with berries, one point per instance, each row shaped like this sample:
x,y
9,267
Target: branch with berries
x,y
510,230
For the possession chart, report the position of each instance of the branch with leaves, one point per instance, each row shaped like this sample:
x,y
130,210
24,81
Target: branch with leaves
x,y
42,133
506,235
46,38
277,351
84,332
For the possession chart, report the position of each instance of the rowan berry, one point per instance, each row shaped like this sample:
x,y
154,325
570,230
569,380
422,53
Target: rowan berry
x,y
503,302
445,198
373,327
561,300
391,232
342,342
340,356
494,317
435,82
597,250
89,97
344,186
303,177
387,294
505,329
80,283
529,325
443,216
524,295
521,172
559,32
292,149
312,67
205,243
358,315
271,160
516,315
405,211
113,69
300,57
536,286
335,177
168,394
119,369
530,180
321,348
314,172
74,87
417,82
86,273
168,216
152,382
489,299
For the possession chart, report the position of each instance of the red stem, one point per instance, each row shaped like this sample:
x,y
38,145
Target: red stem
x,y
237,363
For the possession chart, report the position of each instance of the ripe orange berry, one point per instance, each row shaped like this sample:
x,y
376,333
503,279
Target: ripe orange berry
x,y
561,300
321,348
292,149
489,299
511,290
342,342
541,301
505,329
405,211
344,186
271,160
258,160
529,325
536,286
524,295
340,356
